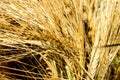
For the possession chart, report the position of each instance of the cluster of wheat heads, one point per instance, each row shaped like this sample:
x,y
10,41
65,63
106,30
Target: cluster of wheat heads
x,y
58,39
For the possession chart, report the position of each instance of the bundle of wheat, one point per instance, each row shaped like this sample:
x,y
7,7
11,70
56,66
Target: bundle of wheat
x,y
58,39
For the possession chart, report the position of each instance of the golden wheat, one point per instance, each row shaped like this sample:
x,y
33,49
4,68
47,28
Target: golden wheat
x,y
58,39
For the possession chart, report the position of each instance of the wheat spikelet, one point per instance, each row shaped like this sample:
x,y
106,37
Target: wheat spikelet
x,y
107,33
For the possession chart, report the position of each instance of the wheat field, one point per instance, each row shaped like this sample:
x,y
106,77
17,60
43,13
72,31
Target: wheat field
x,y
59,39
